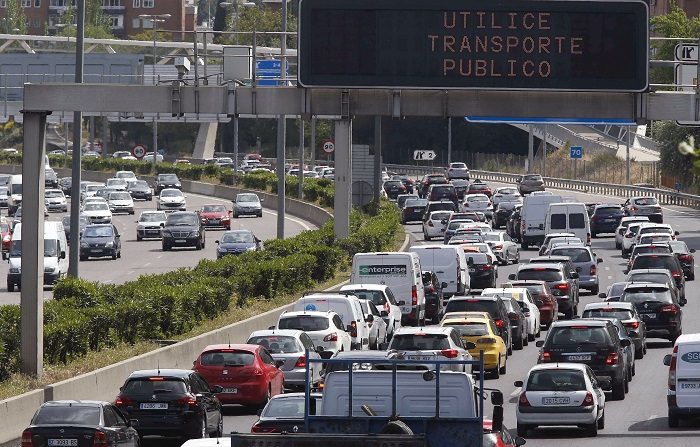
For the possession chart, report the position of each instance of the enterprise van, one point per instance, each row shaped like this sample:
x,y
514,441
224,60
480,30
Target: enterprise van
x,y
683,395
449,264
399,270
533,216
569,218
346,305
55,261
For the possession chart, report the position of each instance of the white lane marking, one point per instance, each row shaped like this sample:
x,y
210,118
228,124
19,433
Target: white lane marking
x,y
515,392
147,264
609,277
607,269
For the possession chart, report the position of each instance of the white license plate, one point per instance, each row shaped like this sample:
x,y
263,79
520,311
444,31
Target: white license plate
x,y
231,390
63,442
689,385
406,310
608,220
472,270
579,358
95,250
180,241
153,406
152,231
555,400
421,357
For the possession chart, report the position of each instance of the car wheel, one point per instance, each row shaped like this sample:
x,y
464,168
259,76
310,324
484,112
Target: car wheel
x,y
83,258
203,433
618,390
138,238
691,277
114,255
10,287
594,234
495,373
198,246
618,245
503,369
522,429
524,246
673,420
595,290
260,214
510,350
526,339
166,247
627,384
220,427
530,337
593,430
518,345
644,347
601,421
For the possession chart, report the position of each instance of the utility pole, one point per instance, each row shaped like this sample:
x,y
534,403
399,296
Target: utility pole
x,y
282,130
449,141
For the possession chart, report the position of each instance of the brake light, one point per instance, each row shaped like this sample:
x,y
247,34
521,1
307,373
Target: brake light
x,y
258,429
670,309
301,362
593,270
676,274
353,329
100,439
27,438
449,353
331,337
686,258
431,289
430,223
499,324
123,401
522,401
563,287
414,296
546,356
486,267
632,324
634,208
156,379
611,359
588,400
671,376
188,400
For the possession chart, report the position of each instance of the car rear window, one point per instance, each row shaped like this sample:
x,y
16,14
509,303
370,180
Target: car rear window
x,y
470,329
419,342
657,278
374,296
577,220
227,358
576,254
154,385
276,344
535,289
68,415
445,206
579,335
440,215
472,306
620,314
478,258
558,221
288,408
556,380
646,201
608,210
540,274
640,296
415,203
645,230
653,262
532,177
651,249
304,323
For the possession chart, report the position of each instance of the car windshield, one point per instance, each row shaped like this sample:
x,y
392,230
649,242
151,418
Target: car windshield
x,y
477,199
227,357
458,165
52,194
276,344
304,323
171,193
167,178
473,305
98,231
91,188
650,249
419,342
641,296
393,183
287,408
247,198
68,415
620,314
182,219
455,224
152,217
238,237
491,237
119,196
556,380
542,274
646,201
576,254
116,181
214,209
470,329
138,184
96,206
579,335
3,190
150,386
375,296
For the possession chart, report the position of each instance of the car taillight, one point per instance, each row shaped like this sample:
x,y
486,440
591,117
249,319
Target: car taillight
x,y
486,340
258,372
499,323
188,400
123,401
671,375
353,329
100,439
414,296
430,223
670,309
387,307
486,267
563,287
593,270
27,438
449,353
301,362
522,401
686,258
430,289
632,324
331,337
545,356
594,218
611,359
634,208
588,400
676,274
498,247
258,429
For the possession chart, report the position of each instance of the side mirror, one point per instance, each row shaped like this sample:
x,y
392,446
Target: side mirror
x,y
63,255
162,224
401,303
262,200
384,314
443,285
216,389
348,328
133,422
512,276
540,343
518,384
383,346
469,345
602,295
216,242
279,363
496,398
4,256
625,342
271,327
519,441
599,260
577,271
319,349
692,250
667,360
677,233
575,275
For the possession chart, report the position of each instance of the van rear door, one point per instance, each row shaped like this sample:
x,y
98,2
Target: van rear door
x,y
688,375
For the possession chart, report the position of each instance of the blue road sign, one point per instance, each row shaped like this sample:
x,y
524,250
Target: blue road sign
x,y
576,152
269,71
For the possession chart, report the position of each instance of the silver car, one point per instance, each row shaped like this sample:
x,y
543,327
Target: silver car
x,y
503,247
377,325
289,346
247,204
430,343
586,263
644,206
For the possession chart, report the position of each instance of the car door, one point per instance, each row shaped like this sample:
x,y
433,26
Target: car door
x,y
122,434
314,368
600,395
378,322
212,404
342,333
132,436
273,372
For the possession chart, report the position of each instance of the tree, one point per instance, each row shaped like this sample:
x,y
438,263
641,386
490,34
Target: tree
x,y
674,24
15,22
672,161
258,18
97,24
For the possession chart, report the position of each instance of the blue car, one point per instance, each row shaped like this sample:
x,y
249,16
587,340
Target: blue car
x,y
606,218
235,242
586,263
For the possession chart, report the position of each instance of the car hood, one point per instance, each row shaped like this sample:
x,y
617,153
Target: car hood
x,y
239,245
249,204
97,240
181,228
120,202
172,199
151,224
214,215
140,189
93,213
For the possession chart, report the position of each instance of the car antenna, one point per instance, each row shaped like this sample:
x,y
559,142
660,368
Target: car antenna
x,y
158,367
229,341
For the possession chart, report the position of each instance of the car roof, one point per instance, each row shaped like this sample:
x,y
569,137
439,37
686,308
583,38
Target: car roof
x,y
179,373
464,319
578,322
377,287
646,285
635,218
468,314
664,271
473,297
655,255
688,338
403,330
311,313
68,402
209,442
535,266
239,346
541,366
296,333
609,304
358,354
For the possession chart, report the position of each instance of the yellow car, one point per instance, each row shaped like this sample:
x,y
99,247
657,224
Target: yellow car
x,y
480,329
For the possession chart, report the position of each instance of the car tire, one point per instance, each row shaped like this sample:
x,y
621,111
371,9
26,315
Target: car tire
x,y
673,420
503,369
138,238
519,345
524,246
601,421
10,287
510,350
522,429
119,254
83,258
530,337
569,314
495,373
166,247
593,430
396,428
595,290
198,245
594,234
618,245
639,353
691,277
618,390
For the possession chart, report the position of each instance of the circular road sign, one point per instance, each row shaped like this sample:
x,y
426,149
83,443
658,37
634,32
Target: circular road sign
x,y
328,147
138,151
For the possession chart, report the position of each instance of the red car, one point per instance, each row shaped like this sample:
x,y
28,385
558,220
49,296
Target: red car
x,y
544,299
215,216
6,234
247,373
501,438
479,188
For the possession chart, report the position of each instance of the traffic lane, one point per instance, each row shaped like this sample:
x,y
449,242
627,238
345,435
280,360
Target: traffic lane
x,y
147,256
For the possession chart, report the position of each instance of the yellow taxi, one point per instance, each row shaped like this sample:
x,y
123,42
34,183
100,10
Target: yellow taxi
x,y
480,329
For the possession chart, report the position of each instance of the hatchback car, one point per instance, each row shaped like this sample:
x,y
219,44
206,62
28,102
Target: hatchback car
x,y
657,276
171,403
247,373
561,281
662,261
461,187
431,343
377,326
285,413
502,213
100,240
479,187
606,219
628,316
443,192
644,206
434,297
393,188
492,304
171,199
482,272
545,301
247,204
430,179
585,262
477,202
506,194
407,181
561,394
118,184
622,228
150,225
120,202
481,330
183,229
591,342
658,307
685,257
452,226
324,328
457,170
505,249
55,200
529,183
215,216
434,226
235,242
382,297
413,210
164,181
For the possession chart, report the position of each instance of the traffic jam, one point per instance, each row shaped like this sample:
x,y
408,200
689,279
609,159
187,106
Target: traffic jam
x,y
418,335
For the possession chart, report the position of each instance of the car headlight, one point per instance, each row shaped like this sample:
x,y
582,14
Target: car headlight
x,y
251,248
14,270
84,244
194,234
166,233
109,244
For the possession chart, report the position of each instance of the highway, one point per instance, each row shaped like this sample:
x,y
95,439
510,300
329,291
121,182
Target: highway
x,y
640,419
146,256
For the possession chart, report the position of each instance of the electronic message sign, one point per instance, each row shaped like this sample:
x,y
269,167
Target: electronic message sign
x,y
505,45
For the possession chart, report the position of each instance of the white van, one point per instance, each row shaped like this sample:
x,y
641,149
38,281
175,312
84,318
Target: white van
x,y
449,264
398,270
14,194
346,305
414,395
569,218
55,260
532,218
683,395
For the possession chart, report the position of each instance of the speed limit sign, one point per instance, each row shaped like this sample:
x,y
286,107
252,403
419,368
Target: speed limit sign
x,y
328,147
138,151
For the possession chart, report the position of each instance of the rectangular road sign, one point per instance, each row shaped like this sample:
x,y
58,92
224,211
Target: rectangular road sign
x,y
686,52
576,152
269,71
424,155
686,75
570,45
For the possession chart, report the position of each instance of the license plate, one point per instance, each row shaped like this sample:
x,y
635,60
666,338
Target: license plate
x,y
153,406
152,231
472,270
421,357
406,310
63,442
555,400
95,250
579,358
231,390
608,220
689,385
180,241
214,221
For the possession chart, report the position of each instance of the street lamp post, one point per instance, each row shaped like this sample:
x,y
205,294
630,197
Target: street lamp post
x,y
155,19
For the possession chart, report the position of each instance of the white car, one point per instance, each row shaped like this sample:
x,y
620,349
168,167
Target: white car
x,y
120,202
427,343
121,154
654,228
457,170
560,394
89,190
172,199
503,246
97,212
382,297
118,184
377,326
324,328
126,175
150,224
476,202
433,226
506,194
527,304
622,228
629,237
55,200
653,239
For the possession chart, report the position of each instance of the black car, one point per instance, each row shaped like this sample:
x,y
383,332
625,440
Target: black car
x,y
481,271
513,224
658,307
413,210
606,219
592,342
183,229
100,240
393,188
140,190
518,323
236,242
434,298
166,181
430,179
561,281
65,184
172,403
80,423
50,178
685,257
406,180
285,413
493,305
442,192
461,187
666,261
443,205
502,214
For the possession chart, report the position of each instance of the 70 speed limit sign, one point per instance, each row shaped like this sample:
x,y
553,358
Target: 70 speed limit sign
x,y
328,147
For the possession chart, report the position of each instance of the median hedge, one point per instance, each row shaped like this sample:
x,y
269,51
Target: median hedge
x,y
88,316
